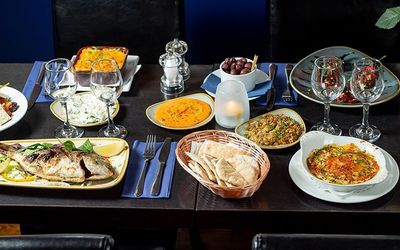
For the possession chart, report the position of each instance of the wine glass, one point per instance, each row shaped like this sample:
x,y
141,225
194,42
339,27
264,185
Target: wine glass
x,y
106,84
366,85
60,84
327,82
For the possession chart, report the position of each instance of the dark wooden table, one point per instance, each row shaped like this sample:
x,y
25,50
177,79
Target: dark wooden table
x,y
278,206
23,205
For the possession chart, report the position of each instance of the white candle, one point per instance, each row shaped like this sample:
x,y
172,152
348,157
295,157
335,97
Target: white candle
x,y
233,109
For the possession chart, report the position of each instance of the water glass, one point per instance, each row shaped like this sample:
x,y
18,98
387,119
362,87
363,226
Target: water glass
x,y
60,84
106,84
366,84
327,82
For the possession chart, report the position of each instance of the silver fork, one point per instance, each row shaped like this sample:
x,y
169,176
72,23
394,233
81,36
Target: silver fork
x,y
148,154
287,96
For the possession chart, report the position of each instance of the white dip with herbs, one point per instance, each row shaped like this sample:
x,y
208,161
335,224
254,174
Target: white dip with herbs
x,y
86,108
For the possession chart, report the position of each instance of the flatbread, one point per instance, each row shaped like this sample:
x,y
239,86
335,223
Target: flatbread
x,y
4,117
229,174
219,150
208,160
198,170
204,165
246,166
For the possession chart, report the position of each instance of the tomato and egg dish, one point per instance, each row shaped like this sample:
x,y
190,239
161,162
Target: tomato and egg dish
x,y
342,164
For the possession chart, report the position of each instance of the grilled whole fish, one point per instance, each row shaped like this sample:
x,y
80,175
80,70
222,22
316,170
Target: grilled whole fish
x,y
59,164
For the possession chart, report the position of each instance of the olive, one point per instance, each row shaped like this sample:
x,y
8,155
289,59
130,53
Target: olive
x,y
248,65
233,65
245,71
234,72
239,66
244,60
225,66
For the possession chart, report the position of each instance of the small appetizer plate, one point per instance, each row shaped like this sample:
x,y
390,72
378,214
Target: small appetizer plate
x,y
315,140
241,128
59,112
151,110
14,96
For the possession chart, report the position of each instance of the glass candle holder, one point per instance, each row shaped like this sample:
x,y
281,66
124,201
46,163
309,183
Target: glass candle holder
x,y
231,104
172,80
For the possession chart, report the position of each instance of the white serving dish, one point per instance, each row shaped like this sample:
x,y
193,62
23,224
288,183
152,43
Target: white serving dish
x,y
19,98
316,139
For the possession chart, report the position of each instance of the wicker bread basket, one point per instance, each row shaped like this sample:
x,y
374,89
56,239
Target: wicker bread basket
x,y
237,141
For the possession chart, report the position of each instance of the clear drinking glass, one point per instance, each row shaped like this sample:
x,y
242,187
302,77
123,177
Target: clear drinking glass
x,y
327,82
106,84
60,84
366,85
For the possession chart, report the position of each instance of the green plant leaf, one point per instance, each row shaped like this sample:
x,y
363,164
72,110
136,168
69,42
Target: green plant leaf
x,y
86,147
389,18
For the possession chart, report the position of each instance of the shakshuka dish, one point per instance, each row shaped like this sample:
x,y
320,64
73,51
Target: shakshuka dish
x,y
342,164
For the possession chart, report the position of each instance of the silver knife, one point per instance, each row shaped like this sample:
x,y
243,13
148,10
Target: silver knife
x,y
162,159
37,87
270,100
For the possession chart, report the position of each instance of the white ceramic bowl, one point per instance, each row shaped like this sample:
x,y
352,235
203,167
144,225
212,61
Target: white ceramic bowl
x,y
249,79
316,139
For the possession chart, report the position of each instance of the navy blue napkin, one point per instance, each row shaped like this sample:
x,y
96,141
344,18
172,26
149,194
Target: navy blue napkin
x,y
30,82
212,82
135,167
280,86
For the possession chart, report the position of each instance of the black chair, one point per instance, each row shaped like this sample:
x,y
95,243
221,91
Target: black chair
x,y
143,26
57,241
300,27
325,242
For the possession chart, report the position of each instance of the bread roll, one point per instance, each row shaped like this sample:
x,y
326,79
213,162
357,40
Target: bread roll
x,y
219,150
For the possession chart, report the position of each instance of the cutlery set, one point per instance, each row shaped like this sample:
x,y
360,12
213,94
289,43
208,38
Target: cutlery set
x,y
148,154
271,93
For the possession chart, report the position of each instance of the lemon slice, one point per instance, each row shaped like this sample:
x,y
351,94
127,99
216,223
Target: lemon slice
x,y
110,149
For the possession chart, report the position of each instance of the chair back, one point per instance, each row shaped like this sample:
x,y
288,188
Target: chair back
x,y
325,242
143,26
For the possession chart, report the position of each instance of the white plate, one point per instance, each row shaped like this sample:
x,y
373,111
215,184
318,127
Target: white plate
x,y
260,78
20,99
131,68
315,189
58,111
150,111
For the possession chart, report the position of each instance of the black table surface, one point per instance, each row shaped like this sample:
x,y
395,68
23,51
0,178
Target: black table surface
x,y
279,205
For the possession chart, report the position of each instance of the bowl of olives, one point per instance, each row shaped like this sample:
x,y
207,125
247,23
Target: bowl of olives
x,y
239,69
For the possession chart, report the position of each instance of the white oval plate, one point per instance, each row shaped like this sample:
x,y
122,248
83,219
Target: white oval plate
x,y
58,111
19,98
260,78
313,188
240,129
150,111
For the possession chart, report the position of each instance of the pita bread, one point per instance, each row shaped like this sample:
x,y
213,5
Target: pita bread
x,y
198,170
4,117
204,165
219,150
228,174
208,160
246,166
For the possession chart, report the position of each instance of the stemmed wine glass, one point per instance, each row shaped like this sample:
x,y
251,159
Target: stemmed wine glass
x,y
327,82
366,85
60,84
106,84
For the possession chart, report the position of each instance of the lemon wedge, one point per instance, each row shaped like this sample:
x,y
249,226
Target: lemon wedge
x,y
111,149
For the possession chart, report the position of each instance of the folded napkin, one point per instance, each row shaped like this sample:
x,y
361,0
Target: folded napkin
x,y
30,82
135,168
212,82
280,86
